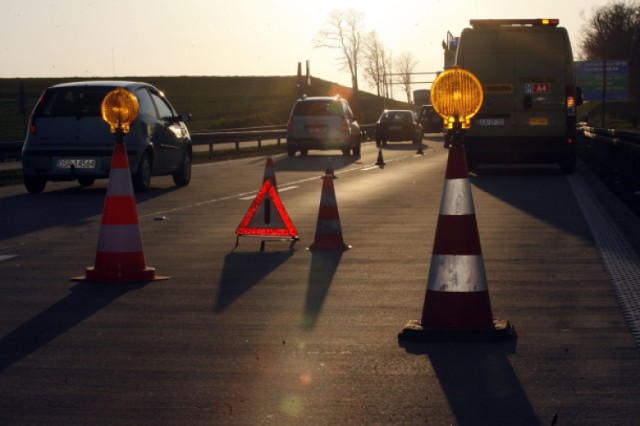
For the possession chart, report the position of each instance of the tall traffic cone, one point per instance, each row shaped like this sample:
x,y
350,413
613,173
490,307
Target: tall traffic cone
x,y
457,305
380,163
120,257
270,173
328,229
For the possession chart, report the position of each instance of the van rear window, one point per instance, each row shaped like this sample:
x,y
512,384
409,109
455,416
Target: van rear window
x,y
71,102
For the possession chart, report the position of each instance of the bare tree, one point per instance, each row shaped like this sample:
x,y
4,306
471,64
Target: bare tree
x,y
405,65
613,32
374,61
344,33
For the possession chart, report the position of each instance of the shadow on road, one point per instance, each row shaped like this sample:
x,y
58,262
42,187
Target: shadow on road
x,y
237,278
323,268
83,301
479,382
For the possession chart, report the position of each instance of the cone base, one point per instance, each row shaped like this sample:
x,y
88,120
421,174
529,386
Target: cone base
x,y
500,331
109,276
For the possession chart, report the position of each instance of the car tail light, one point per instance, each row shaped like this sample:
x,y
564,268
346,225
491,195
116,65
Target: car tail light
x,y
290,125
344,126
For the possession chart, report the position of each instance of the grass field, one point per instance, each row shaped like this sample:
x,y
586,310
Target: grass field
x,y
214,102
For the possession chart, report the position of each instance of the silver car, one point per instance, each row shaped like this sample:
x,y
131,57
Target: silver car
x,y
67,138
323,123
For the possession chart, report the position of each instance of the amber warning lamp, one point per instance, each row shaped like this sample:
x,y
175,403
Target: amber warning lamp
x,y
119,109
456,95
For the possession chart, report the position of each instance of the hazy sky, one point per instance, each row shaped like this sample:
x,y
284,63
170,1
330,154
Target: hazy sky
x,y
115,38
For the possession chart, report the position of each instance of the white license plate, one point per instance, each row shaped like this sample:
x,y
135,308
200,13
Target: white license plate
x,y
488,122
77,163
395,127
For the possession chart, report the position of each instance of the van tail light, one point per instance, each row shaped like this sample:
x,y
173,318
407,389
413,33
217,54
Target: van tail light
x,y
571,105
32,125
290,125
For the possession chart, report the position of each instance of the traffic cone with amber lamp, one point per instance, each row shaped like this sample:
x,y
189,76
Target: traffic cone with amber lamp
x,y
120,257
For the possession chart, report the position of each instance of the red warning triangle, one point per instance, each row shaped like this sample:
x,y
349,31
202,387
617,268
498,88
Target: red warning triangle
x,y
267,216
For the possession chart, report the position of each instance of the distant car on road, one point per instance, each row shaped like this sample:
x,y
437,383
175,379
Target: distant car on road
x,y
323,123
429,119
398,125
67,138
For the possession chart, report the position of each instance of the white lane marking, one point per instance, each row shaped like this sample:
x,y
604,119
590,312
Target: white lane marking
x,y
7,256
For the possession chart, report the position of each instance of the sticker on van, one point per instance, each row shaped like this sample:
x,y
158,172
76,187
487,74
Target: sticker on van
x,y
498,88
537,88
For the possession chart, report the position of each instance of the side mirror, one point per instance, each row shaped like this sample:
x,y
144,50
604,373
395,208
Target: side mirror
x,y
185,117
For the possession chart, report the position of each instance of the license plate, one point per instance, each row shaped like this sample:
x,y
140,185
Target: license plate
x,y
395,127
77,163
316,130
489,122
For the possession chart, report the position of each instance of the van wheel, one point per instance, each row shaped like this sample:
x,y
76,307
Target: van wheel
x,y
568,166
182,177
142,178
34,184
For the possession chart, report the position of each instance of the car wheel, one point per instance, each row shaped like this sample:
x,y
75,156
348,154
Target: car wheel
x,y
304,152
182,177
291,152
34,184
357,148
142,178
346,151
86,181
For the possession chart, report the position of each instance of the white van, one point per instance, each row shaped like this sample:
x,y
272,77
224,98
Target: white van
x,y
530,98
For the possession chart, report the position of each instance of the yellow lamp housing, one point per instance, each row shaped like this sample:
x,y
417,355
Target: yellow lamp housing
x,y
119,109
456,95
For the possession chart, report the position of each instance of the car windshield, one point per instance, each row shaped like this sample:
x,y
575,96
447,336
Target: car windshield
x,y
318,107
71,101
403,116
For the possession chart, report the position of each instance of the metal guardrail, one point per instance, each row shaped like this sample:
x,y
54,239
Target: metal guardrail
x,y
619,147
12,150
241,135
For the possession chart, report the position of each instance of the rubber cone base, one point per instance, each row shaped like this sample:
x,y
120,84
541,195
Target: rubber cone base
x,y
500,331
148,274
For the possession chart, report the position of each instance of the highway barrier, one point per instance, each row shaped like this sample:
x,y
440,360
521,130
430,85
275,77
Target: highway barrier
x,y
12,149
619,147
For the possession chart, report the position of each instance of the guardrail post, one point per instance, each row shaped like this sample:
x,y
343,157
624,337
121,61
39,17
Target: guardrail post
x,y
259,143
237,144
210,150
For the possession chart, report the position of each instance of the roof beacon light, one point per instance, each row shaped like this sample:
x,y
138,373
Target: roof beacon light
x,y
457,96
119,109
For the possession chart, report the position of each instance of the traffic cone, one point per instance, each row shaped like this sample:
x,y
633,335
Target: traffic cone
x,y
328,229
269,173
380,163
120,257
457,305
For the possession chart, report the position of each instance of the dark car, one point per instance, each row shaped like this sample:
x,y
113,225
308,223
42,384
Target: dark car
x,y
323,123
398,125
429,119
67,138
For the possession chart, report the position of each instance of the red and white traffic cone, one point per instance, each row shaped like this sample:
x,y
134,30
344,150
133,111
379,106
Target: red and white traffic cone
x,y
328,229
457,305
270,173
120,257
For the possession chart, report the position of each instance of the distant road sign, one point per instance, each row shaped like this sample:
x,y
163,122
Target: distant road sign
x,y
589,78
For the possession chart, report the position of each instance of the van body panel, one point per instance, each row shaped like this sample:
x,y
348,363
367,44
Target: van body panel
x,y
525,71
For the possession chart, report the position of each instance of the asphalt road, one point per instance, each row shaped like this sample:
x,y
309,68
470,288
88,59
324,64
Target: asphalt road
x,y
283,337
